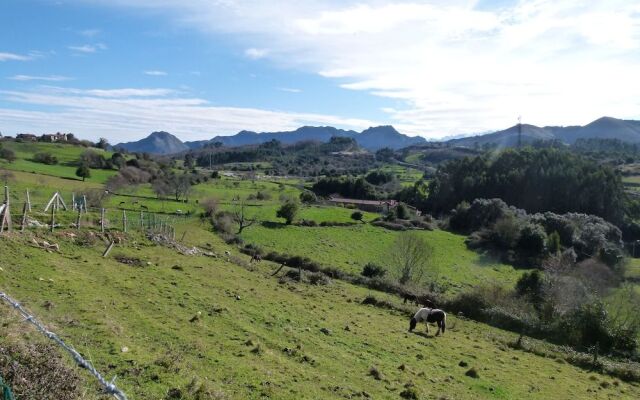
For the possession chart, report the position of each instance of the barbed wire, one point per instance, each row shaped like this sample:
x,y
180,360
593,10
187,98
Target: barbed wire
x,y
109,387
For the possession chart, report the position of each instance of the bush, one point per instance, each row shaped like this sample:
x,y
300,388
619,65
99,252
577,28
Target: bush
x,y
532,239
308,197
371,270
7,154
288,210
45,158
223,222
357,216
402,212
553,242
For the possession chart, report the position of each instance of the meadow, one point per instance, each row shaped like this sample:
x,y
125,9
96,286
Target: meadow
x,y
256,337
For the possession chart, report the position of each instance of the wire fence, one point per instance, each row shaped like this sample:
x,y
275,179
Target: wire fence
x,y
109,387
7,394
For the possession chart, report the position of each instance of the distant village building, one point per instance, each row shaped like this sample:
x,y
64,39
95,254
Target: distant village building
x,y
55,137
366,205
27,137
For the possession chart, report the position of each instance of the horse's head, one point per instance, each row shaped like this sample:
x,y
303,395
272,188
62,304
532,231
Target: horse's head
x,y
412,324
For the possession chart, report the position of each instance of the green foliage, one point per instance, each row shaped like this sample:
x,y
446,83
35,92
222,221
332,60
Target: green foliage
x,y
83,172
532,239
402,212
553,242
530,285
345,186
379,177
7,154
45,158
289,210
357,216
372,270
535,180
308,197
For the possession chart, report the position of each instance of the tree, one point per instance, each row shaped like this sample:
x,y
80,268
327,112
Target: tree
x,y
118,160
83,172
8,154
288,210
241,217
102,144
180,186
357,216
411,257
402,212
308,197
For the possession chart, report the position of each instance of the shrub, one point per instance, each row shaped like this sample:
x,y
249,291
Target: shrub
x,y
553,242
357,216
402,212
223,222
45,158
532,239
7,154
308,197
371,270
288,210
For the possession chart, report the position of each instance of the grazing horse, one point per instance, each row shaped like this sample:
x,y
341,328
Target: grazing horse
x,y
429,315
418,299
256,257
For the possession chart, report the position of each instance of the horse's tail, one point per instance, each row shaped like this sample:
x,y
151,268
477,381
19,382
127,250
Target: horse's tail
x,y
444,323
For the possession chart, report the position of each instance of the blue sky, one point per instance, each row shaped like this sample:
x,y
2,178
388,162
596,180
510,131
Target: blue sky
x,y
199,68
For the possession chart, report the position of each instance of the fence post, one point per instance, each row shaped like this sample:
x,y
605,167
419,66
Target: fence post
x,y
102,220
28,201
73,201
84,203
78,218
141,221
53,217
24,217
124,221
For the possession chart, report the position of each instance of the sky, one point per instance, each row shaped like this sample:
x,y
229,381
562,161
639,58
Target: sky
x,y
121,69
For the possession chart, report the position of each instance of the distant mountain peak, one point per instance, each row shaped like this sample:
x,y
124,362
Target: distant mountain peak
x,y
158,142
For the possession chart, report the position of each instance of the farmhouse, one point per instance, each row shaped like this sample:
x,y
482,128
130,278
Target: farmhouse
x,y
27,137
55,137
366,205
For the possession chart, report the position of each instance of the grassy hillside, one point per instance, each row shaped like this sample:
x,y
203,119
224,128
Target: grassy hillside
x,y
68,156
350,248
256,337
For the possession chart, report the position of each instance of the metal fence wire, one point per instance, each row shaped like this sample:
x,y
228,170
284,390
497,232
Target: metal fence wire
x,y
109,387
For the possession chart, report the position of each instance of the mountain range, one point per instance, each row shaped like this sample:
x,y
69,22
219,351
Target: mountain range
x,y
604,128
371,139
378,137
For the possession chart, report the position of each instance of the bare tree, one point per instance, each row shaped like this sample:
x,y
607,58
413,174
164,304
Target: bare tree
x,y
241,218
411,257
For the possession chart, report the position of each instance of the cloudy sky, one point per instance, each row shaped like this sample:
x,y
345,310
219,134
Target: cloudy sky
x,y
199,68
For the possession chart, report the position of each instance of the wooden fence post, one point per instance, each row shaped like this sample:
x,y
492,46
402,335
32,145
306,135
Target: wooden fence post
x,y
124,221
6,212
28,201
53,218
73,201
78,218
106,252
24,217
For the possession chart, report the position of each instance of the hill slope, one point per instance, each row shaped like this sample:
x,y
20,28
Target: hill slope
x,y
605,127
156,143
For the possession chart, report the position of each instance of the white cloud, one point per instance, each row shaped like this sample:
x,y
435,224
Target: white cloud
x,y
290,90
90,32
48,78
155,73
256,54
13,57
88,48
446,67
130,113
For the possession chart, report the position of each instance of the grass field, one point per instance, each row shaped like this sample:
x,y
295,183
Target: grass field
x,y
256,337
350,248
67,155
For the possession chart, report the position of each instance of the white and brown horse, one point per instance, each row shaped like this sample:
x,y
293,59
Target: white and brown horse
x,y
429,316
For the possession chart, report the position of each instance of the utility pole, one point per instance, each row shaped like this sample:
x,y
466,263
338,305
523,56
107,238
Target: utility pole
x,y
519,132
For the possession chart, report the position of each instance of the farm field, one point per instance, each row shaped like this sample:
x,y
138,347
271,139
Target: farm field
x,y
350,248
67,155
256,337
